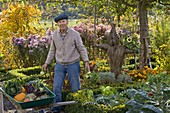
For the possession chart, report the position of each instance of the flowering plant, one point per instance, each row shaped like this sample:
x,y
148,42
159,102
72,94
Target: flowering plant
x,y
139,75
90,32
32,51
99,65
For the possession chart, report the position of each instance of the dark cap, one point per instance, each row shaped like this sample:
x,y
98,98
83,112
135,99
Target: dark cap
x,y
60,17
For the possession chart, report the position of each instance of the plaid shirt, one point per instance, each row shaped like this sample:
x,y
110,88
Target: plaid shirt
x,y
67,50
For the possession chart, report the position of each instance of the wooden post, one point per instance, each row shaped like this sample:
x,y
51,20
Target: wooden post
x,y
1,101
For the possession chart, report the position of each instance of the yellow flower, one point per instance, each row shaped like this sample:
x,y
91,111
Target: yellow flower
x,y
136,75
144,77
146,67
144,72
139,80
139,74
163,45
129,39
103,67
131,73
98,59
135,71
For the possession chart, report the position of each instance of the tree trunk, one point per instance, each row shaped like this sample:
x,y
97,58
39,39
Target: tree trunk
x,y
143,20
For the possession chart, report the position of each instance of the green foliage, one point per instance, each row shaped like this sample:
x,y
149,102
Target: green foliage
x,y
12,87
132,42
91,79
125,78
81,96
5,77
159,86
87,102
160,40
159,78
107,91
138,103
152,95
24,75
28,74
106,9
106,78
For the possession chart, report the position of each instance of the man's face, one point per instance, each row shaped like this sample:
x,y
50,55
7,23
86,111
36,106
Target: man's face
x,y
62,24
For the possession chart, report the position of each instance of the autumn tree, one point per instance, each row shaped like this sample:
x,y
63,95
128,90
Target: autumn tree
x,y
17,20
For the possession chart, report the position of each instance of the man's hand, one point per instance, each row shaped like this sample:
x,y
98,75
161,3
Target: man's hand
x,y
87,67
44,67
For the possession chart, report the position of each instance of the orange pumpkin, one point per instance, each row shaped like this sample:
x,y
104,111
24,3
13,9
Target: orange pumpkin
x,y
20,97
23,90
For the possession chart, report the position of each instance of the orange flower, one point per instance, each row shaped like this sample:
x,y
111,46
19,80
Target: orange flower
x,y
131,73
144,72
93,62
146,67
144,77
153,72
139,74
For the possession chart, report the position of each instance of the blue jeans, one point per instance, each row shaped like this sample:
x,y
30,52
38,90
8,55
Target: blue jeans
x,y
73,71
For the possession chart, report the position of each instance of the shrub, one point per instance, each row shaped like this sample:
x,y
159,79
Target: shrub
x,y
106,78
16,20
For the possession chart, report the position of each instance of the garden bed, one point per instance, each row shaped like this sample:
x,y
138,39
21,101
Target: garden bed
x,y
101,92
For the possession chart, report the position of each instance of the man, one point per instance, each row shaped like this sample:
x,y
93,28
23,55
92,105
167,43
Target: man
x,y
66,47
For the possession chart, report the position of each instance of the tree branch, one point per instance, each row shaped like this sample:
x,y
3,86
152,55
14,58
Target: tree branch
x,y
159,1
102,46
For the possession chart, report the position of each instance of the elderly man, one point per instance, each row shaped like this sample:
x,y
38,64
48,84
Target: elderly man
x,y
67,48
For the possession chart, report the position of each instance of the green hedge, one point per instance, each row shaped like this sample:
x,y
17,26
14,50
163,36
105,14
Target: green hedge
x,y
25,72
4,77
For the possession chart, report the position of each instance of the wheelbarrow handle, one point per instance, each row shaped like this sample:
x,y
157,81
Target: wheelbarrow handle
x,y
2,90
